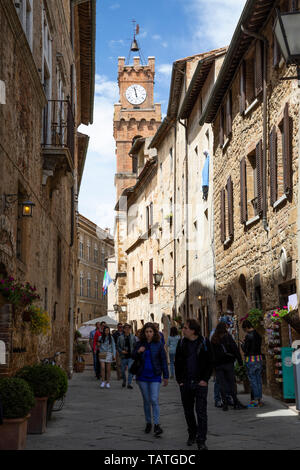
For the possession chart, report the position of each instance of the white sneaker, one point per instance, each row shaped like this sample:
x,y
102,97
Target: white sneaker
x,y
107,385
102,385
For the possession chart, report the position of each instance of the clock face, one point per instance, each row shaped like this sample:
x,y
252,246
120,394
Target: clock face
x,y
136,94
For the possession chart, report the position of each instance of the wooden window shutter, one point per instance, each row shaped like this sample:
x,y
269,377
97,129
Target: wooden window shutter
x,y
151,281
287,154
223,217
221,138
276,52
230,207
258,67
151,214
273,166
229,114
147,218
243,88
259,179
243,183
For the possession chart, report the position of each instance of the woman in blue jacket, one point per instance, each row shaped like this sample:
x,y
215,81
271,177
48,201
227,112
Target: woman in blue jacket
x,y
151,355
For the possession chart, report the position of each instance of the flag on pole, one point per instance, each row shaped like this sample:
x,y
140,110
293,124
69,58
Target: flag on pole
x,y
137,29
107,280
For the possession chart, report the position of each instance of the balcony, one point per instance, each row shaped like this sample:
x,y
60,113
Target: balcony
x,y
58,140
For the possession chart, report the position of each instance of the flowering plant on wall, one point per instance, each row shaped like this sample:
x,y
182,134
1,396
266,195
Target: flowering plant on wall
x,y
276,316
255,317
18,294
39,320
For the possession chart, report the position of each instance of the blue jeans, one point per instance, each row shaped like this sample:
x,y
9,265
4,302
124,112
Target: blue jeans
x,y
255,370
172,361
124,363
150,393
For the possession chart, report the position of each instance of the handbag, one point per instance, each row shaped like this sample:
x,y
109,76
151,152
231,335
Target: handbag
x,y
136,365
102,355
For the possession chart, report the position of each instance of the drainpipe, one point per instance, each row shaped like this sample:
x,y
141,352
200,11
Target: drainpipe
x,y
265,123
187,218
174,217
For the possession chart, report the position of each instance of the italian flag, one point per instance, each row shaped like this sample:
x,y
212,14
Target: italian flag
x,y
107,280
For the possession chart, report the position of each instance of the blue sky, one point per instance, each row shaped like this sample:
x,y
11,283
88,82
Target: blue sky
x,y
169,30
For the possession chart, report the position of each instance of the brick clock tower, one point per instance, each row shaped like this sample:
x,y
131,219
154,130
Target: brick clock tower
x,y
135,115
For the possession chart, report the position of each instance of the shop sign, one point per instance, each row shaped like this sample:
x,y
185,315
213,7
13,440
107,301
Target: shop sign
x,y
288,373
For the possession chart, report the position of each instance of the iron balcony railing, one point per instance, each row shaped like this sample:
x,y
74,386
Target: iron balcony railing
x,y
59,126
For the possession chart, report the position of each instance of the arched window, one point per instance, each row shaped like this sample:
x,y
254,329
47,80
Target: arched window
x,y
230,305
243,284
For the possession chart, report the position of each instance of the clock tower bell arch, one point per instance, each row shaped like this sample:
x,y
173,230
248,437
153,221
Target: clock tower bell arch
x,y
136,115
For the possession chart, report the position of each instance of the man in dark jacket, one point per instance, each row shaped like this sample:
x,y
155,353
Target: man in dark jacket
x,y
193,369
126,346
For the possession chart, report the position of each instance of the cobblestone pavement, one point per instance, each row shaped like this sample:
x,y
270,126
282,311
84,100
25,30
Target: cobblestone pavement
x,y
95,418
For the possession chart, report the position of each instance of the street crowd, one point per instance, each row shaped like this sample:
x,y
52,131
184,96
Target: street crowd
x,y
193,359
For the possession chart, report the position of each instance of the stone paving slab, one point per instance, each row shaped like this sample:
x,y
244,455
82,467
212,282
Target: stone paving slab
x,y
101,419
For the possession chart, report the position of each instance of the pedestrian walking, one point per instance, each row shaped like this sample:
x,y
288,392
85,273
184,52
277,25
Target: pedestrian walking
x,y
225,353
152,360
172,343
162,337
116,336
217,391
107,355
91,341
254,362
193,368
126,347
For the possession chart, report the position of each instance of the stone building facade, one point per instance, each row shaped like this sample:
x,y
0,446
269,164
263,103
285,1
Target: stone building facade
x,y
255,116
136,115
186,239
95,246
47,66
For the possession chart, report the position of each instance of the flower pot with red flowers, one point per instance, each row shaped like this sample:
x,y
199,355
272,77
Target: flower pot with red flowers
x,y
17,294
17,400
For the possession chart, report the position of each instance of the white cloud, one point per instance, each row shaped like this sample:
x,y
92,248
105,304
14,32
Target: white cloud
x,y
116,42
213,22
101,132
97,194
114,6
165,69
156,37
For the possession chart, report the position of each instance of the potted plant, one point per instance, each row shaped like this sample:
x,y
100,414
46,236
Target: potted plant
x,y
57,376
17,400
80,349
20,295
255,317
37,377
242,377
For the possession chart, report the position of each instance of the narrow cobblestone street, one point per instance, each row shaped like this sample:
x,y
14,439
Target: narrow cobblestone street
x,y
95,419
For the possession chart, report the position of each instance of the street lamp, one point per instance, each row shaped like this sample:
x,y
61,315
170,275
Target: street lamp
x,y
9,199
286,30
157,279
27,208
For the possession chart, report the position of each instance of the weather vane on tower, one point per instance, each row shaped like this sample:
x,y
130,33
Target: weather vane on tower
x,y
134,44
